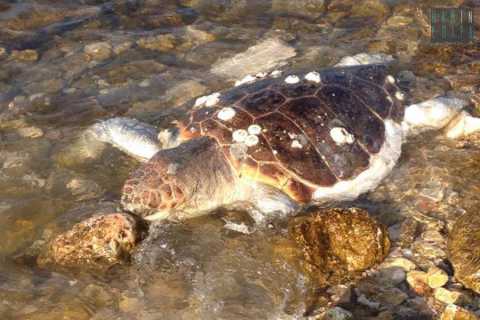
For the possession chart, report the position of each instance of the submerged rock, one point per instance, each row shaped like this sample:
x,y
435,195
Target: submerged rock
x,y
263,56
335,239
98,50
96,243
28,55
464,250
304,8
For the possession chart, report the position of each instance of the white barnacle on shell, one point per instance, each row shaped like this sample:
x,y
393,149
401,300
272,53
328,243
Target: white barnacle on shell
x,y
261,75
313,77
239,135
296,144
200,101
292,135
399,95
208,101
276,73
251,140
390,79
292,79
341,136
212,99
246,79
226,113
254,129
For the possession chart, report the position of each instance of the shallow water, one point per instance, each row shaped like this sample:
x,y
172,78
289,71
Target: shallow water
x,y
155,56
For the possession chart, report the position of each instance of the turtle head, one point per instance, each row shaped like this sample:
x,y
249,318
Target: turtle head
x,y
181,182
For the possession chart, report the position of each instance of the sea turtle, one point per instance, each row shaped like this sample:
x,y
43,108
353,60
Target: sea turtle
x,y
277,142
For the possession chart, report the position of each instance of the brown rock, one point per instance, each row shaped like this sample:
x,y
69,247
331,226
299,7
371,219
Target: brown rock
x,y
464,250
417,281
98,242
346,238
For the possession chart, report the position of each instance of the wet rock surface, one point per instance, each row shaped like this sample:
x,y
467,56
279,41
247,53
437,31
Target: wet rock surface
x,y
97,243
464,251
336,239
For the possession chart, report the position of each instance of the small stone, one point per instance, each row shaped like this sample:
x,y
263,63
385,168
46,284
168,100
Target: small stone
x,y
448,296
161,42
306,8
453,312
84,189
129,304
433,236
340,293
392,275
122,47
436,277
391,296
98,50
401,262
337,313
145,83
417,281
28,55
30,132
366,302
409,230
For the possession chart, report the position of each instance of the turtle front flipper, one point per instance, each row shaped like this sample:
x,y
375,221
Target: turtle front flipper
x,y
131,136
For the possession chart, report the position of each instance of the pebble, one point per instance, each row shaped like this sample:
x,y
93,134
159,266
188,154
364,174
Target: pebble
x,y
392,296
366,302
401,262
454,312
417,280
30,132
122,47
28,55
161,42
129,304
337,313
306,8
448,296
392,275
98,50
436,277
340,293
84,189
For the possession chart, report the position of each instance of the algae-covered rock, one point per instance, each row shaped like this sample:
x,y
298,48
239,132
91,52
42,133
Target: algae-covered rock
x,y
96,243
464,250
340,238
